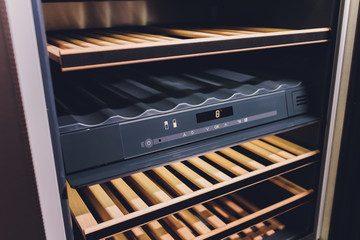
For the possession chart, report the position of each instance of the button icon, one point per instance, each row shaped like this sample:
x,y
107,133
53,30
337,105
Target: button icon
x,y
184,135
216,126
166,125
239,121
192,132
245,119
174,123
149,143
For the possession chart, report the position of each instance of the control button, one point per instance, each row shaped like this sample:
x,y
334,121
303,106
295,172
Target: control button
x,y
239,121
166,125
207,128
174,123
148,143
192,132
245,119
216,126
184,135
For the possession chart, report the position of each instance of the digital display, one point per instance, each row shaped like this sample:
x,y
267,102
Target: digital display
x,y
214,114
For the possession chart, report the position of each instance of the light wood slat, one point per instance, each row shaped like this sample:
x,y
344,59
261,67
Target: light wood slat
x,y
185,33
53,52
91,40
191,175
142,36
102,202
156,195
103,205
255,214
248,162
248,231
262,152
61,43
138,204
216,31
138,232
198,180
264,30
108,39
273,149
181,189
158,36
77,41
242,212
275,223
239,31
220,211
79,210
288,185
116,35
242,159
287,145
208,169
228,165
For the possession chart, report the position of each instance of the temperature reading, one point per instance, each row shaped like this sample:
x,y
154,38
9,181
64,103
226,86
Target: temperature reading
x,y
217,113
214,114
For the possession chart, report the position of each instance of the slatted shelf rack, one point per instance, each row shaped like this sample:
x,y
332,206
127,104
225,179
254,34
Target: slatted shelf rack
x,y
92,48
194,199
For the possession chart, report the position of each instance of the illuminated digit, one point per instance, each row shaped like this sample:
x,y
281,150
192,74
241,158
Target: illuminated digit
x,y
217,113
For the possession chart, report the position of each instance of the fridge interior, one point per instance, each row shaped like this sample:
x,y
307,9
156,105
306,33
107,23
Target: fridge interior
x,y
92,43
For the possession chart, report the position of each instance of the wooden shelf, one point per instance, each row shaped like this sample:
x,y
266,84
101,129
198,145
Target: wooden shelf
x,y
183,196
84,49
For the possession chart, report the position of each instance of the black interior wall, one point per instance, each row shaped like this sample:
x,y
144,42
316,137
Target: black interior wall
x,y
346,208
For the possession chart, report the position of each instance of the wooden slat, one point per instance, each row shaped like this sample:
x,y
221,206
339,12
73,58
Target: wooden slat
x,y
138,232
53,52
138,204
273,149
208,169
287,145
76,41
228,165
185,33
276,224
221,211
242,159
104,206
262,152
191,175
157,195
216,31
200,181
79,210
158,36
248,162
242,212
108,39
181,189
61,43
91,40
264,30
118,35
146,37
255,214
